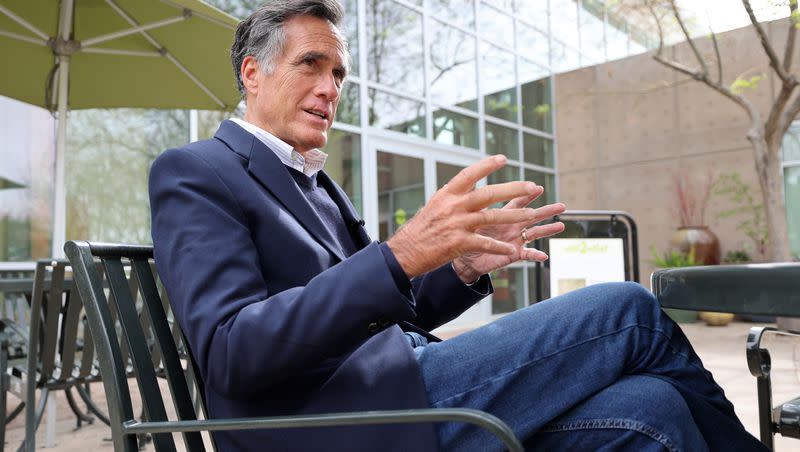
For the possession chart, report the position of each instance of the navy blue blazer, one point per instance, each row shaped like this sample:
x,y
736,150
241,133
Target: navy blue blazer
x,y
278,320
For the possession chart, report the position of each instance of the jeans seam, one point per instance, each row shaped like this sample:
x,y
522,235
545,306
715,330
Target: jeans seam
x,y
616,424
577,344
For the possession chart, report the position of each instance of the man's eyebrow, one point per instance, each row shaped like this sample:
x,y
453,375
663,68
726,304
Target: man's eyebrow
x,y
314,55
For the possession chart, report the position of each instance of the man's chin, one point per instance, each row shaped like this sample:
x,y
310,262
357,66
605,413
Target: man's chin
x,y
315,142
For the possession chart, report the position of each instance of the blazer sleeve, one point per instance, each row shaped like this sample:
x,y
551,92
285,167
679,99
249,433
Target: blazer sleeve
x,y
245,335
441,296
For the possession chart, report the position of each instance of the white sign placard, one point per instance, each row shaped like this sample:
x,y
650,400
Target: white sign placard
x,y
576,263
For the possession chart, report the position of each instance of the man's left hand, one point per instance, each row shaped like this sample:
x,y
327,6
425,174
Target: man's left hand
x,y
470,267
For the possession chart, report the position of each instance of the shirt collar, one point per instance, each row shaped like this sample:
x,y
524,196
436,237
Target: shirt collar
x,y
309,164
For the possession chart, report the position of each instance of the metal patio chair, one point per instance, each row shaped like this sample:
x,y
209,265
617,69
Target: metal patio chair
x,y
160,326
15,293
60,349
754,289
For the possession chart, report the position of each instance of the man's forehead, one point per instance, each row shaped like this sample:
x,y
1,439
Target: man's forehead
x,y
324,39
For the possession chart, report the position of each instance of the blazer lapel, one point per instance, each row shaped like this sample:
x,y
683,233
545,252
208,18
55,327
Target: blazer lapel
x,y
354,224
267,168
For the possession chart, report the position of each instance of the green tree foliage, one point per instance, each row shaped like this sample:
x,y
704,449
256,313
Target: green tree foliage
x,y
747,208
674,258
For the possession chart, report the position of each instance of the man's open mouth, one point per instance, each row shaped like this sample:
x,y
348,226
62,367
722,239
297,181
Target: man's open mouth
x,y
318,113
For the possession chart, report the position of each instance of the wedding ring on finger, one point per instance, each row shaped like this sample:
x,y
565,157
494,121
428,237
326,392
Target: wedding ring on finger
x,y
525,235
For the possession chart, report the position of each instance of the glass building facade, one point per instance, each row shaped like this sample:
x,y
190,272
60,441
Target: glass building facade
x,y
435,86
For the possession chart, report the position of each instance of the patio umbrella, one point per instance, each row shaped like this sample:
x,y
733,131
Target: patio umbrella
x,y
73,54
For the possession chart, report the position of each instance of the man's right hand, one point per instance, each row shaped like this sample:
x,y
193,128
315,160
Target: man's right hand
x,y
445,227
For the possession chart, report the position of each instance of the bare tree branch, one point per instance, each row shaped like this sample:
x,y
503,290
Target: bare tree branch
x,y
778,111
786,117
718,87
718,56
774,62
445,70
689,39
790,38
658,26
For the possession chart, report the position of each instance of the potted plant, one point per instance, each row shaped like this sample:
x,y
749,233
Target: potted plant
x,y
693,235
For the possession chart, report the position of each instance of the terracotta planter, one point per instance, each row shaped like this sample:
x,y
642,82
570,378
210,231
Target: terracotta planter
x,y
700,239
705,245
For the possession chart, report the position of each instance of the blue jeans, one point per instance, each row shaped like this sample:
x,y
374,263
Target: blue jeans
x,y
600,368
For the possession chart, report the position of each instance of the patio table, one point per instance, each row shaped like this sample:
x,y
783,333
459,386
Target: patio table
x,y
760,289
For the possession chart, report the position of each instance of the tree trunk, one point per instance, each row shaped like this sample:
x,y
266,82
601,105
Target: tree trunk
x,y
770,177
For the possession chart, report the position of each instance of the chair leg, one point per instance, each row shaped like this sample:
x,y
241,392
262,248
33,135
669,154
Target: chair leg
x,y
93,408
33,418
4,385
80,416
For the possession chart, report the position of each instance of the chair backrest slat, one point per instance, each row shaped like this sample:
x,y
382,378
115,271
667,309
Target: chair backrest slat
x,y
35,342
169,351
134,316
69,331
87,354
90,284
52,312
152,401
112,306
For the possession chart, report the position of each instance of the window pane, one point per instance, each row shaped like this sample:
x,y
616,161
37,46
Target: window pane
x,y
537,150
502,140
564,21
497,80
509,291
396,113
26,181
344,164
445,172
394,47
792,196
563,59
791,143
533,12
349,110
453,67
548,181
110,152
591,27
496,26
616,41
459,12
454,128
401,191
532,283
505,5
537,111
508,173
351,32
533,44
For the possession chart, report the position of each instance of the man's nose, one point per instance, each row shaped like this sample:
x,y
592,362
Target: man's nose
x,y
328,87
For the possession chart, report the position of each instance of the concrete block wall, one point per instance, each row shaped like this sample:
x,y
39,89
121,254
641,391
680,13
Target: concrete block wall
x,y
624,128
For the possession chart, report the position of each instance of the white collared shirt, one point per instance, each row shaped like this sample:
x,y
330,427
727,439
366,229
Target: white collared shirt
x,y
309,164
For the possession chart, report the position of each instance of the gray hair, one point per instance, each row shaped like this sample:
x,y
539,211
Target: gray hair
x,y
262,36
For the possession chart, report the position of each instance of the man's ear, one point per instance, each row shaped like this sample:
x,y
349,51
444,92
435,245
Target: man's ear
x,y
249,72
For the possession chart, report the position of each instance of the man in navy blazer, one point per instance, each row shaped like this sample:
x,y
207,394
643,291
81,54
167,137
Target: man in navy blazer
x,y
290,308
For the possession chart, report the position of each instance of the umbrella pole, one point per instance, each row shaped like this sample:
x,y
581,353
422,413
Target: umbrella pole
x,y
60,201
60,193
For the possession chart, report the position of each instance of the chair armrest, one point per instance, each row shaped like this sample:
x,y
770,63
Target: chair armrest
x,y
784,418
763,289
480,418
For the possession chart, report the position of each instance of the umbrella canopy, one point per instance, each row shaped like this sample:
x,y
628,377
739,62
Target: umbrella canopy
x,y
71,54
123,53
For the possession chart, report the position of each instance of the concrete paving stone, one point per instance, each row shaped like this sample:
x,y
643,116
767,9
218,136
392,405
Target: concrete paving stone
x,y
722,350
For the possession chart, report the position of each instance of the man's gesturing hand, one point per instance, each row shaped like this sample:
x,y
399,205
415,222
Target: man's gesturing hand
x,y
449,225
